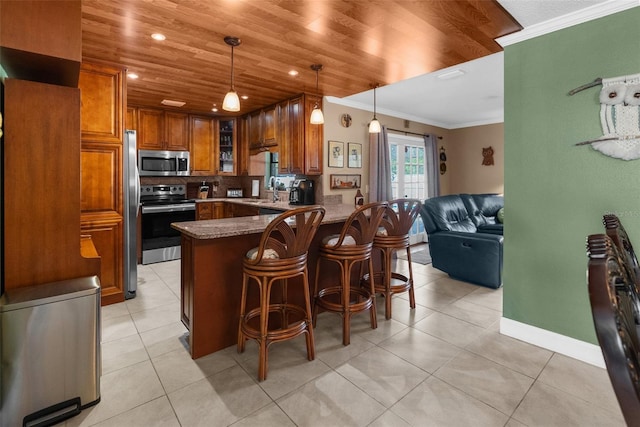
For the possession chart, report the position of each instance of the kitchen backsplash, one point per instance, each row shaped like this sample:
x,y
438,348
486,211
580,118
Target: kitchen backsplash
x,y
223,183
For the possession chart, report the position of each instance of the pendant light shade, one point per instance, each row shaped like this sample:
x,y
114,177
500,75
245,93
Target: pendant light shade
x,y
374,124
317,118
231,101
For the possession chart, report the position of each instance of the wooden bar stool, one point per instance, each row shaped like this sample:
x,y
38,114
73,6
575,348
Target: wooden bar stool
x,y
281,255
392,235
352,246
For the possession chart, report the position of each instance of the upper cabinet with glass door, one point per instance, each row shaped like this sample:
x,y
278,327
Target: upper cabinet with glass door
x,y
227,147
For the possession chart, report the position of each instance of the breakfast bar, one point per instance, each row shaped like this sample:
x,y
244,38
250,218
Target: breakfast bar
x,y
211,271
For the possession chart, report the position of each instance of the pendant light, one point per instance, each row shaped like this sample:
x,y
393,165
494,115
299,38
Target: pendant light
x,y
231,101
317,118
374,125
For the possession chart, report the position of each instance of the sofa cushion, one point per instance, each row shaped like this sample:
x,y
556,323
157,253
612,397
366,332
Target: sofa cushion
x,y
483,208
447,213
500,216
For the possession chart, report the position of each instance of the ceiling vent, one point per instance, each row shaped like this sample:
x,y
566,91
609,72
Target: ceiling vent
x,y
172,103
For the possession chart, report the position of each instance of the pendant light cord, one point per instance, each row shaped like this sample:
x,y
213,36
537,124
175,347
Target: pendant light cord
x,y
232,68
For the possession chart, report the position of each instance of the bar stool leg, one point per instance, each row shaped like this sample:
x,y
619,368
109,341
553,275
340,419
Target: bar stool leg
x,y
388,252
346,297
311,350
243,304
315,293
412,298
265,290
372,291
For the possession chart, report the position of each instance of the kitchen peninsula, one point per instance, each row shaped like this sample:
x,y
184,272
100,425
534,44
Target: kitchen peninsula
x,y
211,270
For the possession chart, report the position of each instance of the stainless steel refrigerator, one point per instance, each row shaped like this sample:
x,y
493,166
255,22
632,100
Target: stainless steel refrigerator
x,y
131,208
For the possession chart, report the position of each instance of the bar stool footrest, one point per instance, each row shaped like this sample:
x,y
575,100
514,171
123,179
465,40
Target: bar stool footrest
x,y
354,306
296,328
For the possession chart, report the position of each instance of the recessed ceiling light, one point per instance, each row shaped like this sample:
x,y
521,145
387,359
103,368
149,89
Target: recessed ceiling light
x,y
245,97
215,108
293,73
158,36
132,76
172,103
451,74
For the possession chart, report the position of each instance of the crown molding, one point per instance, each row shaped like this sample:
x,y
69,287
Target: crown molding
x,y
583,15
499,117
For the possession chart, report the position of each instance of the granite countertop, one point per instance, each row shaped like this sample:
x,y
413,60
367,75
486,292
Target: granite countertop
x,y
228,227
267,203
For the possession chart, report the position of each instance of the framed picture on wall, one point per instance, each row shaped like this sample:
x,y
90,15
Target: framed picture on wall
x,y
344,182
336,154
354,155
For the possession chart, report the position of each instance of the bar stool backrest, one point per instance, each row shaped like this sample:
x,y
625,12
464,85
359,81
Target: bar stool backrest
x,y
289,234
400,215
363,223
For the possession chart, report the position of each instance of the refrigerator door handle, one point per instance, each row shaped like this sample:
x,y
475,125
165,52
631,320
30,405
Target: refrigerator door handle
x,y
137,190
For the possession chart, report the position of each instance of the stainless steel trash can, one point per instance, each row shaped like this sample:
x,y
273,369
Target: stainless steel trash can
x,y
50,355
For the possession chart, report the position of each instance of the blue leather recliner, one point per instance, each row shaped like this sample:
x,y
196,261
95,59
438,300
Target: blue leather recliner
x,y
465,239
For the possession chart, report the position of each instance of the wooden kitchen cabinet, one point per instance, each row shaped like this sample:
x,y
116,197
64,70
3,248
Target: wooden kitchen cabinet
x,y
263,131
209,210
313,138
213,146
101,90
227,147
301,142
131,120
41,210
204,210
101,162
202,135
162,130
244,154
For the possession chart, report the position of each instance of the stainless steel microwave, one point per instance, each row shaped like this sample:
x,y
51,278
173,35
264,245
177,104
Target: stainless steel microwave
x,y
163,163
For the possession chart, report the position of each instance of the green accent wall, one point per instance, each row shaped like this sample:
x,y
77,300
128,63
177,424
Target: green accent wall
x,y
555,192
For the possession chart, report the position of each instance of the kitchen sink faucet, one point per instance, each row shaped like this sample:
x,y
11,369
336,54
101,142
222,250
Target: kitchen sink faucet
x,y
274,184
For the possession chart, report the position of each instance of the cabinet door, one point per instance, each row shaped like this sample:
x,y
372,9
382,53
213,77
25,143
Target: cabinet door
x,y
131,121
296,147
177,131
101,111
202,148
255,132
204,210
227,147
269,126
151,129
243,145
284,158
218,210
313,140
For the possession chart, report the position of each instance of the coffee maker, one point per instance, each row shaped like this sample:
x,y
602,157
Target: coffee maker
x,y
302,192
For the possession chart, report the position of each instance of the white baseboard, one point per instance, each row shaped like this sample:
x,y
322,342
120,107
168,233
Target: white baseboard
x,y
562,344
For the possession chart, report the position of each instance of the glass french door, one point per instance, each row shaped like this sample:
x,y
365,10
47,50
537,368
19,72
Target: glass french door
x,y
409,175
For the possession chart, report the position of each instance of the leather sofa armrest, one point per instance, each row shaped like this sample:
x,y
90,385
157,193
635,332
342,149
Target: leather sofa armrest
x,y
472,257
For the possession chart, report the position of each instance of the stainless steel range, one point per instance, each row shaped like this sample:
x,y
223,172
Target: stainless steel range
x,y
162,205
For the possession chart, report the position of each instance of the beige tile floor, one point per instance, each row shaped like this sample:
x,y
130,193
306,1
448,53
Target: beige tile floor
x,y
443,363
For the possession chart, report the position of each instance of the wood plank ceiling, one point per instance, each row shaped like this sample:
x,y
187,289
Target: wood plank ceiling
x,y
358,42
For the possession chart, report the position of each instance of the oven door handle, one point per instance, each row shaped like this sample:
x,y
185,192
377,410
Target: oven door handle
x,y
169,208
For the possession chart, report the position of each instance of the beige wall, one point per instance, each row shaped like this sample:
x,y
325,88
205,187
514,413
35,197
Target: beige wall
x,y
358,132
466,172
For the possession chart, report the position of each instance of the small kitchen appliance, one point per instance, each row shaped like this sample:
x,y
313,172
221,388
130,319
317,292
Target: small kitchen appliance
x,y
302,192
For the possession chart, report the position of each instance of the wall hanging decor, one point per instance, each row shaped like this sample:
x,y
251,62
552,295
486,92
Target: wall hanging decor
x,y
443,160
487,156
345,181
336,154
355,155
619,116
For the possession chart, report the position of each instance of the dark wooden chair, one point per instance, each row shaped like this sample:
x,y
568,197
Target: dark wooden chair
x,y
281,255
617,233
351,247
613,301
393,235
